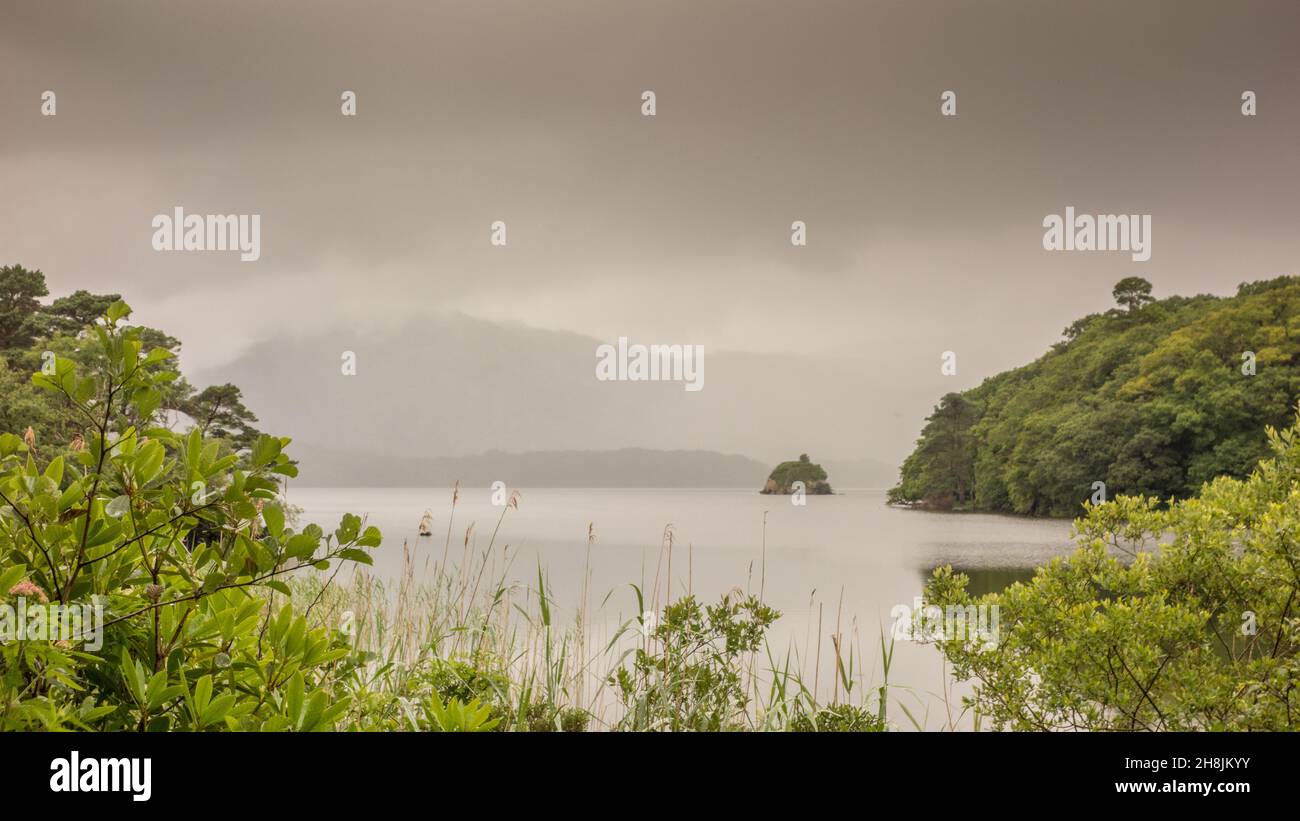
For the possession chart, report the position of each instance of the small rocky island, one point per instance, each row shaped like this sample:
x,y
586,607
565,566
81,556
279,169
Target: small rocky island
x,y
783,477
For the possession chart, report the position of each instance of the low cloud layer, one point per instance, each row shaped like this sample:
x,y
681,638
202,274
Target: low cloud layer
x,y
924,231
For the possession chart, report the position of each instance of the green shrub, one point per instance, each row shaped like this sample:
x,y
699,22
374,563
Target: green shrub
x,y
1200,634
179,543
688,674
455,716
837,718
542,717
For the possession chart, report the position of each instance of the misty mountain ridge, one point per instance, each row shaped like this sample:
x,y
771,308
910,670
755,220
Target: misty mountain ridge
x,y
626,467
450,397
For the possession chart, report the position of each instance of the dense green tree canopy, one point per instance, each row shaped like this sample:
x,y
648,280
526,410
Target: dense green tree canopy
x,y
71,314
219,410
33,333
803,469
1155,399
20,307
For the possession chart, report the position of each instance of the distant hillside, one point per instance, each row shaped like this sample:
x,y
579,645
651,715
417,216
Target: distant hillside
x,y
1153,397
626,467
450,385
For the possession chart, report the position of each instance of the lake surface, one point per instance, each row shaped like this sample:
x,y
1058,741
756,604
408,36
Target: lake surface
x,y
850,548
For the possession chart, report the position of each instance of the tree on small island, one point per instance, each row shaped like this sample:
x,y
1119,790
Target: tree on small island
x,y
784,476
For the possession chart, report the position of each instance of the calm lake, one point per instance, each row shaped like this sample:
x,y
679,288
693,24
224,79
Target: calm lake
x,y
846,557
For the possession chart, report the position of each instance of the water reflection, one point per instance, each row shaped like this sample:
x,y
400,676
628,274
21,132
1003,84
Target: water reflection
x,y
985,580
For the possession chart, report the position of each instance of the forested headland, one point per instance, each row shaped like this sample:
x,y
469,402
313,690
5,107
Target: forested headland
x,y
1153,397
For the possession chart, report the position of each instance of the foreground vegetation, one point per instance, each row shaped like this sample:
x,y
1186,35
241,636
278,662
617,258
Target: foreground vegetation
x,y
1151,398
444,634
220,613
1184,617
181,538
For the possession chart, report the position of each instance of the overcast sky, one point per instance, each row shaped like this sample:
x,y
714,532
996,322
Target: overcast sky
x,y
924,232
